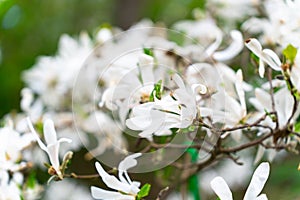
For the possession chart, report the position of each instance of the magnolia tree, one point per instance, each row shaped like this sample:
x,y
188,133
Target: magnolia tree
x,y
168,101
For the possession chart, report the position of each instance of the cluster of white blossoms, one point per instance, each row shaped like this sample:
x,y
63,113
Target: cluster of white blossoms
x,y
153,83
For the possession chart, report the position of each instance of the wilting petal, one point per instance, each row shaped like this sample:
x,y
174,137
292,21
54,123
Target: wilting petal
x,y
49,132
221,188
99,193
234,48
258,181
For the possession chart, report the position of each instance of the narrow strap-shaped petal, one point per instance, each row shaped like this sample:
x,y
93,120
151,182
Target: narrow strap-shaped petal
x,y
99,193
221,188
49,132
254,45
261,68
258,181
239,89
178,80
129,162
64,140
215,45
234,48
111,181
262,197
41,144
272,59
53,150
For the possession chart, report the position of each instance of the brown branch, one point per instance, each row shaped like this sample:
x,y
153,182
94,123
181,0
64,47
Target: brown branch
x,y
247,145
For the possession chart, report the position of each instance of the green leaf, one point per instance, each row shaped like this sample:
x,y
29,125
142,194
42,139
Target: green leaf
x,y
156,91
148,52
290,53
297,127
144,191
31,180
193,180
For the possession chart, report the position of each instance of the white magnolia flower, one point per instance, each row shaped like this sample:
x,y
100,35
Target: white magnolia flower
x,y
283,101
9,189
231,10
176,110
31,107
52,78
11,145
236,110
255,187
52,144
107,132
280,24
125,188
265,56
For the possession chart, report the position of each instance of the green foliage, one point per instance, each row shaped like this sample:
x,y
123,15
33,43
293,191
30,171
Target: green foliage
x,y
148,52
31,180
193,180
297,127
144,191
290,53
156,92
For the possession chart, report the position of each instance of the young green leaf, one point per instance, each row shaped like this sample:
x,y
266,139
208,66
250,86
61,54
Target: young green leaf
x,y
144,191
290,53
148,52
156,91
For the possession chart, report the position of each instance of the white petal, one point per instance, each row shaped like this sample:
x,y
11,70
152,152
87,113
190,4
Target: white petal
x,y
272,59
254,45
264,98
145,60
199,89
262,197
239,88
261,68
214,46
53,150
258,181
260,153
178,80
99,193
49,132
41,144
221,188
64,140
129,162
111,181
234,48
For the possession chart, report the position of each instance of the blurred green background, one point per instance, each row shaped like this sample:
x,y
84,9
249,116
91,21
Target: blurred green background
x,y
30,28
